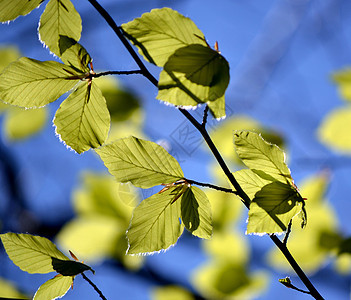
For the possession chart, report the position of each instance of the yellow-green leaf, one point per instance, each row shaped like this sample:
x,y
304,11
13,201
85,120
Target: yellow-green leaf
x,y
83,120
159,33
21,123
54,288
31,83
32,254
155,224
272,208
265,159
196,213
143,163
10,10
60,18
74,54
334,130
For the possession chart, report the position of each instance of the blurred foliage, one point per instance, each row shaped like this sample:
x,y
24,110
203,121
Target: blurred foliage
x,y
171,293
104,209
8,290
19,123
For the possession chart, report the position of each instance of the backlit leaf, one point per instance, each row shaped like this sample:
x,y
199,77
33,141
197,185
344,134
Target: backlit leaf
x,y
31,83
334,130
272,208
196,213
74,54
60,18
265,159
159,33
155,224
143,163
21,123
69,267
83,120
217,108
10,10
54,288
33,254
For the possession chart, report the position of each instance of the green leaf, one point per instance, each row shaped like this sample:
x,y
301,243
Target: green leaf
x,y
31,83
265,159
155,224
60,18
196,213
10,10
54,288
69,267
334,130
143,163
21,123
272,208
83,120
161,32
74,54
32,254
8,55
217,108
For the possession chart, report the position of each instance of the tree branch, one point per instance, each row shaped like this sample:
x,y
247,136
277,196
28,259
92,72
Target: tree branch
x,y
96,75
240,192
94,286
211,186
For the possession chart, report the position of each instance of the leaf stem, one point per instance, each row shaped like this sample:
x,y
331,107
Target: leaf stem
x,y
96,75
212,186
204,119
239,191
94,286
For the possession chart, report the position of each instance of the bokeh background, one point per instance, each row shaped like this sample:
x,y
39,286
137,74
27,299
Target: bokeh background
x,y
286,59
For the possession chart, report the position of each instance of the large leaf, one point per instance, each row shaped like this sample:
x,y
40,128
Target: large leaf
x,y
334,131
10,10
273,207
265,159
155,224
74,54
196,213
83,120
60,18
54,288
161,32
31,83
143,163
33,254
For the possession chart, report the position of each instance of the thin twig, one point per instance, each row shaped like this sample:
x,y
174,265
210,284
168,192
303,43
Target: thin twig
x,y
212,186
96,75
94,286
240,192
287,282
288,231
204,119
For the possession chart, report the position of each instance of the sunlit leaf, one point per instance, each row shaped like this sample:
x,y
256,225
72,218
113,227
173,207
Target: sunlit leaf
x,y
161,32
83,120
69,267
8,290
155,224
31,83
20,123
334,130
272,208
196,213
32,254
143,163
54,288
171,293
59,18
74,54
217,108
10,10
265,159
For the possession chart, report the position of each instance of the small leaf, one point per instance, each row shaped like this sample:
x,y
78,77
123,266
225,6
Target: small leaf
x,y
217,108
155,224
69,267
334,130
196,213
10,10
159,33
265,159
31,83
83,120
74,54
272,208
60,18
54,288
33,254
21,123
143,163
